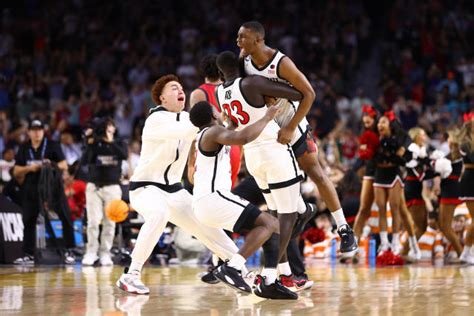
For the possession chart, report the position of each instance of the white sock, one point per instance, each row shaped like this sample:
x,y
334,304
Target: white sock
x,y
270,275
339,217
395,241
467,249
412,242
384,238
135,267
215,260
284,268
237,262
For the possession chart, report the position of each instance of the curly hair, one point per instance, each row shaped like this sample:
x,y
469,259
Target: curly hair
x,y
159,85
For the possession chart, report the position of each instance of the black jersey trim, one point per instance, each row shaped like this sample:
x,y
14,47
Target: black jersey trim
x,y
205,152
214,174
227,84
171,188
158,108
293,159
178,116
230,200
169,166
266,191
216,96
268,62
285,184
278,68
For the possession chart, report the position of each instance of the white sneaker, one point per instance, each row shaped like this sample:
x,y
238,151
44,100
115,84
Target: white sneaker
x,y
465,254
89,259
131,283
106,260
414,255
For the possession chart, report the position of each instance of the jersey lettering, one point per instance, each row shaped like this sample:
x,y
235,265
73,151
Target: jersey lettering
x,y
235,113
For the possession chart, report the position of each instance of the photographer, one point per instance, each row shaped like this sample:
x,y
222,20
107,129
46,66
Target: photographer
x,y
104,158
38,153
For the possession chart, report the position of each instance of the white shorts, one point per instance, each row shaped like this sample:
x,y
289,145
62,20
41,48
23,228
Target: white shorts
x,y
277,174
223,209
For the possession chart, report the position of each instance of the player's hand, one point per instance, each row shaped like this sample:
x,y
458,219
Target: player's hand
x,y
270,100
272,111
285,135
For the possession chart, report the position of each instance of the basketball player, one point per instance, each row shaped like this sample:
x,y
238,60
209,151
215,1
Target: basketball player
x,y
272,164
206,92
214,204
259,59
156,192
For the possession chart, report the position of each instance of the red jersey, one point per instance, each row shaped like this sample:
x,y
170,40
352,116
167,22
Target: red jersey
x,y
209,90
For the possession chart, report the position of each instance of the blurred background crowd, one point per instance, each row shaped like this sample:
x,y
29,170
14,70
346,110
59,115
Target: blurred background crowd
x,y
68,62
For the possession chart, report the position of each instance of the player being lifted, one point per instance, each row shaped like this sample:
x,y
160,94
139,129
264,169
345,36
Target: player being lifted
x,y
259,59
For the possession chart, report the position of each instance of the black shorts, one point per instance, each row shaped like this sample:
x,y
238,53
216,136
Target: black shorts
x,y
369,170
248,189
306,144
247,219
387,177
467,185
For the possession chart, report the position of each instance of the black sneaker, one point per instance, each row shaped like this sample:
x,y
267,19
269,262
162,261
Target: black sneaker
x,y
27,260
274,291
302,219
209,277
348,242
69,257
232,277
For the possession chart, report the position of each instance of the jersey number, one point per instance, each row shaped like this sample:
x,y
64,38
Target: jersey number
x,y
235,113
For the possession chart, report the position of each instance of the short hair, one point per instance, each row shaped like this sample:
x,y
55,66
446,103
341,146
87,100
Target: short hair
x,y
208,67
227,62
159,85
255,27
201,114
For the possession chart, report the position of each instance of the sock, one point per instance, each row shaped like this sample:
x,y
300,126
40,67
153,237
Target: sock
x,y
384,239
466,249
284,268
395,241
215,260
412,242
135,267
270,275
237,261
339,217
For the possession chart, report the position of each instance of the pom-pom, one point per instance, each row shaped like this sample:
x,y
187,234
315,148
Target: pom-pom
x,y
443,167
415,150
388,258
314,235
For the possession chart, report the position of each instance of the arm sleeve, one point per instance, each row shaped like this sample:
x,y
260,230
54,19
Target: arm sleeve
x,y
158,127
275,89
120,149
57,154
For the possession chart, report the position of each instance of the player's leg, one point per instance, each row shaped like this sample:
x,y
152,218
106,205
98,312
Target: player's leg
x,y
366,201
446,212
152,203
306,153
183,216
394,199
468,251
381,197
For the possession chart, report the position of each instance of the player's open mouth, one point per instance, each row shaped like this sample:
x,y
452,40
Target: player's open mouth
x,y
180,99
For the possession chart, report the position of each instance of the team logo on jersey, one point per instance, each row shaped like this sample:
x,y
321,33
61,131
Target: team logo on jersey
x,y
271,71
228,94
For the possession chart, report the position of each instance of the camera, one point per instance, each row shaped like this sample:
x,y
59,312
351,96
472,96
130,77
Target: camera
x,y
98,126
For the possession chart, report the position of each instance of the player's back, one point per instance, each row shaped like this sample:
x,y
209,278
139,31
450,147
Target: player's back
x,y
232,101
209,90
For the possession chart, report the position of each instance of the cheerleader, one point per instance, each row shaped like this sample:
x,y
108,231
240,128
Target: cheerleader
x,y
369,143
467,182
450,188
388,184
418,169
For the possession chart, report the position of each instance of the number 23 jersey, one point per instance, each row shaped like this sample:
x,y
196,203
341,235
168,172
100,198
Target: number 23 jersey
x,y
232,102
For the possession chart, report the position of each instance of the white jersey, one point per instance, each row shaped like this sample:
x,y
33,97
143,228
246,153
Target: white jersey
x,y
212,170
233,103
271,71
166,140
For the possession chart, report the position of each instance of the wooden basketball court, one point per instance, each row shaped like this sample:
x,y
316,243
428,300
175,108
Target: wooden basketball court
x,y
339,290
